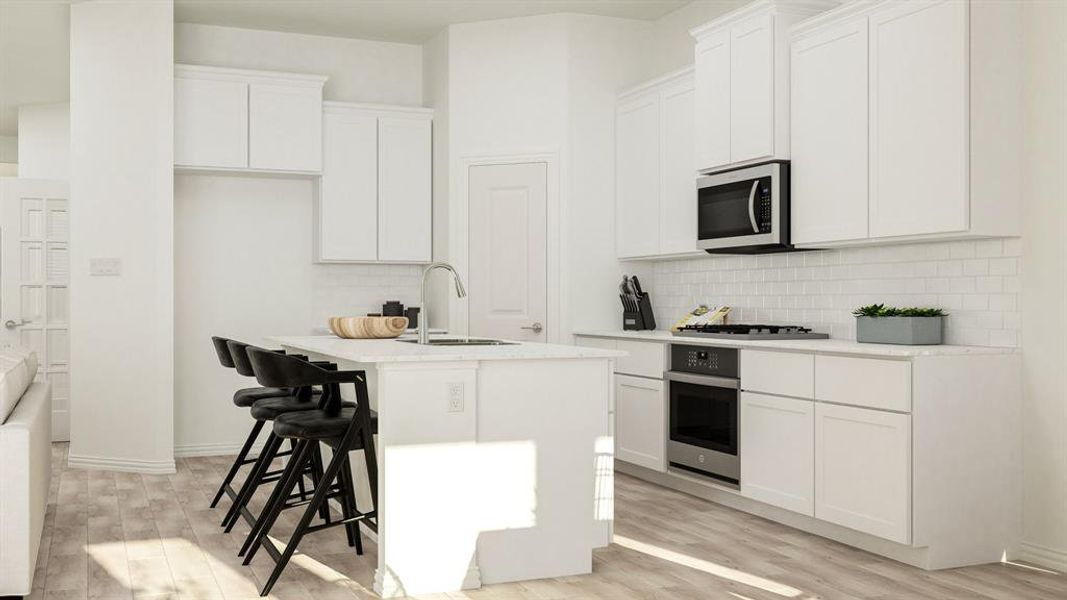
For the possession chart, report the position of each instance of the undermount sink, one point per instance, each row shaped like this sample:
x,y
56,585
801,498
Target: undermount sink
x,y
461,342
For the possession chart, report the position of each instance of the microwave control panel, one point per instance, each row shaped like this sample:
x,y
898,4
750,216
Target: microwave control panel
x,y
763,205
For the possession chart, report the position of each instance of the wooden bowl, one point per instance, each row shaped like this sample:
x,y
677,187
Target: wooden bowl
x,y
368,327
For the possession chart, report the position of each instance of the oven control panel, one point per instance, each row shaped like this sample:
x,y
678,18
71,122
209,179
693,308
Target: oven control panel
x,y
704,360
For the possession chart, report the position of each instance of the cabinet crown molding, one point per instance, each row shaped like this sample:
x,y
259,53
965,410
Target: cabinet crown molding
x,y
652,84
793,7
848,10
334,106
248,75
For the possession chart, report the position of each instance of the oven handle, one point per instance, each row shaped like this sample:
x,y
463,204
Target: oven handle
x,y
708,380
752,206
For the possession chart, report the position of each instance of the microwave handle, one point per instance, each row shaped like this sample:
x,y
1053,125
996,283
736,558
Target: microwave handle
x,y
752,206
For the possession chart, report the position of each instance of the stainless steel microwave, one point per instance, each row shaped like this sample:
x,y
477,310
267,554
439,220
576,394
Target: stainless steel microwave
x,y
744,210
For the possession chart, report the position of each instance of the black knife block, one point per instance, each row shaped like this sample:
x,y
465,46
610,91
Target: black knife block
x,y
640,319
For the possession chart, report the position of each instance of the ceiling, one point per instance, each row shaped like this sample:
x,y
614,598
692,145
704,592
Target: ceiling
x,y
34,56
408,21
35,34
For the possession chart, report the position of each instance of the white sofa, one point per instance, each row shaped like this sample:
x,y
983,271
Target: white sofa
x,y
25,467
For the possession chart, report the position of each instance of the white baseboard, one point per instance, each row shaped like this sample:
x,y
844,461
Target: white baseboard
x,y
1043,556
149,467
215,449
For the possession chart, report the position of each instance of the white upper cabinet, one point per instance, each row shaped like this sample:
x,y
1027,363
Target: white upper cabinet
x,y
637,176
829,135
919,118
285,126
752,89
655,175
375,197
712,100
915,155
210,122
677,202
404,189
742,90
347,215
236,119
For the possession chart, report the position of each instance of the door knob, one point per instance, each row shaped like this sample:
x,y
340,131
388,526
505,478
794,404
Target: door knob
x,y
11,324
536,327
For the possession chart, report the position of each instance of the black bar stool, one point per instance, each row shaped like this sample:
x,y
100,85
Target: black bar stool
x,y
243,398
263,410
344,428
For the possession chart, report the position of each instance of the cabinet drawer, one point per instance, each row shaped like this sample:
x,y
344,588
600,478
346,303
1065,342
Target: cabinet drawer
x,y
646,359
868,382
592,342
782,373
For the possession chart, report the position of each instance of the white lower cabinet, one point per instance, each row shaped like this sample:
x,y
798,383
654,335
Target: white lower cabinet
x,y
640,422
863,470
777,451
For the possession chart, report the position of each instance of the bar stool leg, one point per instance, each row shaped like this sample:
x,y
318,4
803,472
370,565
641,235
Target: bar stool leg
x,y
301,527
348,506
252,435
249,487
279,496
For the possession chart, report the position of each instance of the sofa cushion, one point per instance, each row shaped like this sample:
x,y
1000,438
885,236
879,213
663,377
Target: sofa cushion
x,y
18,367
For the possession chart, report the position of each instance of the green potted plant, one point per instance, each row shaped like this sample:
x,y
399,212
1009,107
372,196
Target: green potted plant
x,y
881,324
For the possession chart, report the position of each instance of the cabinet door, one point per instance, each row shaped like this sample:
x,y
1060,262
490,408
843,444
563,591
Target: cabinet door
x,y
285,127
829,135
637,169
678,197
919,120
752,89
210,123
712,98
347,217
404,189
863,470
640,427
778,456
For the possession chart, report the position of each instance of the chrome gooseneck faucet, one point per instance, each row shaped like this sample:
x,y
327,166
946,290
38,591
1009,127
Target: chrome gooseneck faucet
x,y
461,292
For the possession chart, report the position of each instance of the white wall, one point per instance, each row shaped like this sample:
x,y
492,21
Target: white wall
x,y
121,180
1044,285
44,141
9,149
243,270
668,46
358,70
435,89
220,219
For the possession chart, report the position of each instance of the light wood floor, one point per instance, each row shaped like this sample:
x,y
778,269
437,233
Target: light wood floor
x,y
117,535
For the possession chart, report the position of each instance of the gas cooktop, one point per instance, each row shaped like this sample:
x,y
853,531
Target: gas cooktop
x,y
751,332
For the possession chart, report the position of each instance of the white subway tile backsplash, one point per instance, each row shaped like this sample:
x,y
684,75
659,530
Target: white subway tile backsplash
x,y
976,282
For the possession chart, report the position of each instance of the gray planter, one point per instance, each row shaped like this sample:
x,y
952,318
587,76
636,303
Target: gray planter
x,y
912,331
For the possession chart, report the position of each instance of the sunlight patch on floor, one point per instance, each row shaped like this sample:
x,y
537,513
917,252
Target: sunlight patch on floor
x,y
710,568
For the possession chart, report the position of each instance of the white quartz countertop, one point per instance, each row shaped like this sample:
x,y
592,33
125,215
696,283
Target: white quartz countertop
x,y
394,350
832,346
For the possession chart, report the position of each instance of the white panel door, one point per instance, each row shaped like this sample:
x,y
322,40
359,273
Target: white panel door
x,y
210,123
678,197
919,121
712,99
829,135
285,127
35,282
863,470
752,89
508,294
640,422
347,216
637,177
405,197
778,461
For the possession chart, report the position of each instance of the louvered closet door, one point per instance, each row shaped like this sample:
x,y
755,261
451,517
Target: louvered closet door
x,y
35,280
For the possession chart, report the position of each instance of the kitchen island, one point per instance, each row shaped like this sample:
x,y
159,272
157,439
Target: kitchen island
x,y
495,461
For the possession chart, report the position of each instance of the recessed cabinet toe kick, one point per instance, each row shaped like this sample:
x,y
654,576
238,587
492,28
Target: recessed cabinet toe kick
x,y
909,452
494,461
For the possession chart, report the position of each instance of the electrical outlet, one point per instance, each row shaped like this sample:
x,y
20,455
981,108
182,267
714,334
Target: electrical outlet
x,y
455,397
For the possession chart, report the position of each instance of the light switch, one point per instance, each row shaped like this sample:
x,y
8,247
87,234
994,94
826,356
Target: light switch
x,y
105,266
